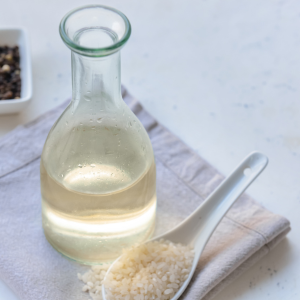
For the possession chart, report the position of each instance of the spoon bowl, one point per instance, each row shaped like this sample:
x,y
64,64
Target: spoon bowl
x,y
199,226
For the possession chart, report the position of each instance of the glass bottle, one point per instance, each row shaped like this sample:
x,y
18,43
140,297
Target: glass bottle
x,y
98,176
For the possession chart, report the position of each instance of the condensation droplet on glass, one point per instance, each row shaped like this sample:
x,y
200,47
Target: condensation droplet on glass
x,y
93,127
91,120
80,124
80,166
93,165
99,120
67,123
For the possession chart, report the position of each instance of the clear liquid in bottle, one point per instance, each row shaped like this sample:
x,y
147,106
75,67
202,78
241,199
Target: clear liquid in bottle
x,y
97,226
100,204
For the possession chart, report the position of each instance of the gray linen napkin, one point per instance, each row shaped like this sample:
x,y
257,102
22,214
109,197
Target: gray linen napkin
x,y
34,270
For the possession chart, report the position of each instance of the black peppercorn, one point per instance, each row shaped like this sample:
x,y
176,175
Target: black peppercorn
x,y
10,80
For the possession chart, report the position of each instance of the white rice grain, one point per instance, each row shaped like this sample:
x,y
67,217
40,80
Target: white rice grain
x,y
154,270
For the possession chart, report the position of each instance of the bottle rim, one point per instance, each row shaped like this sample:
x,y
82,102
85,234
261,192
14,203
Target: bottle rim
x,y
94,52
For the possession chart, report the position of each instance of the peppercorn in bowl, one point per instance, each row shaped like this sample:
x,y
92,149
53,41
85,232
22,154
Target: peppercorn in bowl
x,y
15,71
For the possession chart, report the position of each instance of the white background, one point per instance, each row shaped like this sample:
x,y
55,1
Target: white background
x,y
223,75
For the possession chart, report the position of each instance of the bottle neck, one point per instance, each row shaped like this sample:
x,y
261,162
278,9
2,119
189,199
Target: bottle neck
x,y
96,81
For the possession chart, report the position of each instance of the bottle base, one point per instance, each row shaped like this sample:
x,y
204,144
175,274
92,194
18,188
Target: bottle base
x,y
96,242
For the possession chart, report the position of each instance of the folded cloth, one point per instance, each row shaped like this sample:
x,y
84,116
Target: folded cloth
x,y
34,270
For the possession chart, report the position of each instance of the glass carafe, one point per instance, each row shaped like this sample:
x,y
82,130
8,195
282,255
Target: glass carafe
x,y
97,168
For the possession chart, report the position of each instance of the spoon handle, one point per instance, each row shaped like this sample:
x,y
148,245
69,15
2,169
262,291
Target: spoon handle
x,y
199,226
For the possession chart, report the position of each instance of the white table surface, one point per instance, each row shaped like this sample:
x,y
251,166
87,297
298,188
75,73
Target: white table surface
x,y
222,75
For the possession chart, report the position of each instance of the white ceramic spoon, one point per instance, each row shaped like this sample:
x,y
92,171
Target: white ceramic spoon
x,y
199,226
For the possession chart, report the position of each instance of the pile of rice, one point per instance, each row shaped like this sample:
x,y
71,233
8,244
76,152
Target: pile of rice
x,y
154,270
93,281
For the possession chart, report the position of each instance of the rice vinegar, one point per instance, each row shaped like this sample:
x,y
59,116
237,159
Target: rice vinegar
x,y
97,167
96,227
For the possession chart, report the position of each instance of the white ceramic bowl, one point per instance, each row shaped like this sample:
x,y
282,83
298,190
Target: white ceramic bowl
x,y
13,37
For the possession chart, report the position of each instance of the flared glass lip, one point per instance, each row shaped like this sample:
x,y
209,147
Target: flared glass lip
x,y
96,52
